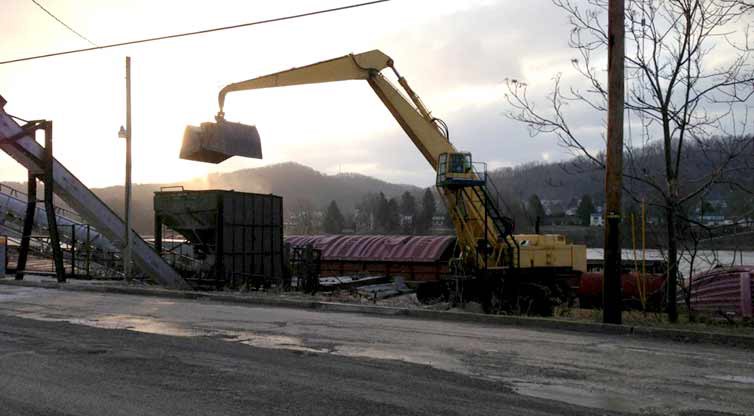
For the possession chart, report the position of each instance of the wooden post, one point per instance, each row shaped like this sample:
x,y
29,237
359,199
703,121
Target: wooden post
x,y
611,287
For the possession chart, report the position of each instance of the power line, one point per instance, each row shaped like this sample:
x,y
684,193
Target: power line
x,y
63,23
198,32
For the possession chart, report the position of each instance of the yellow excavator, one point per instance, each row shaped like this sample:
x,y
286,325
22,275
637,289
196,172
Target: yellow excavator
x,y
487,246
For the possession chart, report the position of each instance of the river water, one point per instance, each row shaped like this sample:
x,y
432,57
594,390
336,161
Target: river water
x,y
705,259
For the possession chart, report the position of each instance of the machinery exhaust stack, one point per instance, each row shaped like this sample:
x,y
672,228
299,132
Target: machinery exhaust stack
x,y
216,142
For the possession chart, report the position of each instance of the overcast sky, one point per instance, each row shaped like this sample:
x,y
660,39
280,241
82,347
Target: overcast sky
x,y
456,55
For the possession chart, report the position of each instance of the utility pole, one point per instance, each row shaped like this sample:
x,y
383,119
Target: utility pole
x,y
611,282
127,136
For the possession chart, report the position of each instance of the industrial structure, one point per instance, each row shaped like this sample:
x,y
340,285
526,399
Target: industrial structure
x,y
19,142
236,238
487,248
86,252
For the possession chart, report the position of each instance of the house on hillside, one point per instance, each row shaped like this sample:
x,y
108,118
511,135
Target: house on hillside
x,y
440,225
718,205
303,221
572,208
553,207
597,218
712,213
406,220
713,219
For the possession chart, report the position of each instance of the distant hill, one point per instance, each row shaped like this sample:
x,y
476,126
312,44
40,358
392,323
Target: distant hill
x,y
577,177
293,181
549,181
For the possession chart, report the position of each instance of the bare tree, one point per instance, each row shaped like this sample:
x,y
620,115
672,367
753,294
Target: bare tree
x,y
680,90
744,5
304,217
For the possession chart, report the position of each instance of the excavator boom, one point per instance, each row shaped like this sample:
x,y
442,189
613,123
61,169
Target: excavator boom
x,y
339,69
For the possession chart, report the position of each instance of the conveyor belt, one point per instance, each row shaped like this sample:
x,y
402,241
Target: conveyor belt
x,y
70,189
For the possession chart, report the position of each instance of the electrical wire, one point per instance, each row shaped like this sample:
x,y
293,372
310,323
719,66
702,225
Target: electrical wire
x,y
198,32
63,23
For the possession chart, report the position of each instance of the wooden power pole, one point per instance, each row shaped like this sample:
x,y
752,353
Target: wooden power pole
x,y
611,286
127,249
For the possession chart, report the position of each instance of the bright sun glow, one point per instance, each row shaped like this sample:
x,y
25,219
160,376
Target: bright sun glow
x,y
333,128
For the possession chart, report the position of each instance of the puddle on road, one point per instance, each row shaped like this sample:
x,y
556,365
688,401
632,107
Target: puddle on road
x,y
128,322
273,341
153,326
579,397
138,324
431,358
7,294
735,379
150,325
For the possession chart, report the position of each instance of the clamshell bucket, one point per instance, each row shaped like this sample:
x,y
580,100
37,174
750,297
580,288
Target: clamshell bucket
x,y
215,142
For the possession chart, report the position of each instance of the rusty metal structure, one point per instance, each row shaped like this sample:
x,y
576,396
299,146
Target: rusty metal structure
x,y
416,258
726,291
634,286
236,237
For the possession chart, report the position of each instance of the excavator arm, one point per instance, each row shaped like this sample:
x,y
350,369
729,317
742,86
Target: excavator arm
x,y
412,116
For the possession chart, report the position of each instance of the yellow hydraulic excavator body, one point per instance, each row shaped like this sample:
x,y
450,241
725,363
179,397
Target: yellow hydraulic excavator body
x,y
461,186
550,250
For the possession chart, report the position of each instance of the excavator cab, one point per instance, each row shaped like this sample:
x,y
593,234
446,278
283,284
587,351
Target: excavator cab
x,y
458,169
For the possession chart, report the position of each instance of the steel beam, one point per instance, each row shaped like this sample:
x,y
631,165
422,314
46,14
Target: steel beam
x,y
31,209
52,224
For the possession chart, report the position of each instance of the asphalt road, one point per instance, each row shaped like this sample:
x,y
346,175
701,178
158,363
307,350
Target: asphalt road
x,y
76,353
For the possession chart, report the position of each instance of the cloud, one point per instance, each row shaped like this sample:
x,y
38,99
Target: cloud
x,y
482,45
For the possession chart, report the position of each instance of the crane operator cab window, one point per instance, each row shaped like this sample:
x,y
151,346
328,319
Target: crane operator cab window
x,y
456,169
460,163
